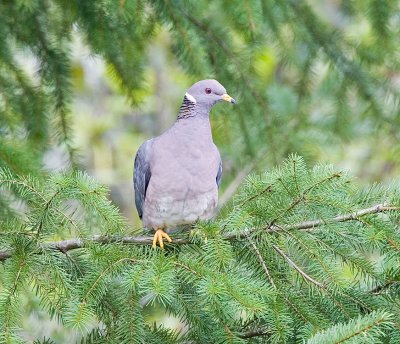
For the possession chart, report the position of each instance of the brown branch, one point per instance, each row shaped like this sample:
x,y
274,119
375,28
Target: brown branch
x,y
5,255
255,333
379,208
380,288
310,225
75,243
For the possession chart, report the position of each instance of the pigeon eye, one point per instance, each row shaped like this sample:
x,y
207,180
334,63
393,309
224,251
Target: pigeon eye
x,y
208,90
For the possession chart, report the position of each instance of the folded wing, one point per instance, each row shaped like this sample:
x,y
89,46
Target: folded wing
x,y
142,174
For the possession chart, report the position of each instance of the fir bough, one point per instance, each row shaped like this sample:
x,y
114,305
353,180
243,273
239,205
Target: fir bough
x,y
300,252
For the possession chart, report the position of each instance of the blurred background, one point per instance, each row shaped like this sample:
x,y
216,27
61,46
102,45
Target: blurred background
x,y
291,98
84,84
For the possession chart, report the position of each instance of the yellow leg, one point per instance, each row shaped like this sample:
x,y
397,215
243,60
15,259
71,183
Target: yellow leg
x,y
158,236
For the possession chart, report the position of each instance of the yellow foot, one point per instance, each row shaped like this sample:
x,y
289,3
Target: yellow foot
x,y
160,234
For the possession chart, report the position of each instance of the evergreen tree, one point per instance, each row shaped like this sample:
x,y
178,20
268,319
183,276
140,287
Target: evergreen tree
x,y
300,254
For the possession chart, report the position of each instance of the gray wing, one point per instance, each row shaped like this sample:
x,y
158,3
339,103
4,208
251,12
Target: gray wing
x,y
219,174
142,174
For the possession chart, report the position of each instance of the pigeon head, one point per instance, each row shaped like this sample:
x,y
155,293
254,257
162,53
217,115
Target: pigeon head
x,y
206,93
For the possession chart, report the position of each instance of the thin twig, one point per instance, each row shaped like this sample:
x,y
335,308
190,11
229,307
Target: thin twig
x,y
262,261
188,268
361,331
46,208
322,264
300,271
75,243
302,197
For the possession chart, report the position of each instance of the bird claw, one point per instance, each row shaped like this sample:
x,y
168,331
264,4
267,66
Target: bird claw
x,y
158,236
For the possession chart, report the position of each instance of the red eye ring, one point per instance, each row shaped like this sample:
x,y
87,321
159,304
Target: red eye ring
x,y
208,90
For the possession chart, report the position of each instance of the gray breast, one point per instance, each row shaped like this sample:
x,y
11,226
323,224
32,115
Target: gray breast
x,y
183,185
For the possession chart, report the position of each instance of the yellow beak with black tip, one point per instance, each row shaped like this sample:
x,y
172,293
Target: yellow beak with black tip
x,y
228,98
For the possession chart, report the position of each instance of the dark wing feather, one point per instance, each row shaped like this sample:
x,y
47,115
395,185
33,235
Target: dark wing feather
x,y
219,174
142,174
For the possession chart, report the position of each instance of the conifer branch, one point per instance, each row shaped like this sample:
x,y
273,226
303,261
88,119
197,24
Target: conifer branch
x,y
365,326
380,288
75,243
309,225
361,331
297,268
262,261
258,332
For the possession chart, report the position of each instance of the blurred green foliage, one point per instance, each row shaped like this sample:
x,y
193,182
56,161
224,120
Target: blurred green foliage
x,y
317,78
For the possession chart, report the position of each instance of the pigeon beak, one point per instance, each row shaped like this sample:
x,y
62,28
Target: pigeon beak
x,y
228,98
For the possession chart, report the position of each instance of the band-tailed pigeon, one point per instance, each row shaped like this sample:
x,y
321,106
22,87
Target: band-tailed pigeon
x,y
177,174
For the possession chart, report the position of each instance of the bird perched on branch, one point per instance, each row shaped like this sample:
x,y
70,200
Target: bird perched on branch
x,y
177,174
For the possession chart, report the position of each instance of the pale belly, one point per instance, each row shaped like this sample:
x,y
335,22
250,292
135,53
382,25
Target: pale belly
x,y
168,212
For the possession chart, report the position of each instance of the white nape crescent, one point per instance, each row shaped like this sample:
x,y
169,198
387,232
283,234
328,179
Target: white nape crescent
x,y
190,97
